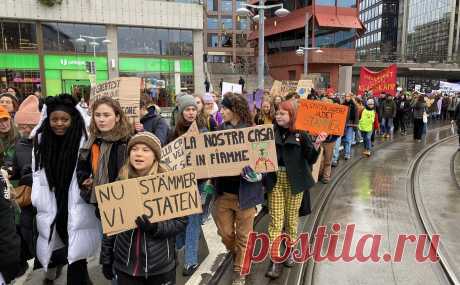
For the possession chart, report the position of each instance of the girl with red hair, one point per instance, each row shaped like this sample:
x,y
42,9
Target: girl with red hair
x,y
296,154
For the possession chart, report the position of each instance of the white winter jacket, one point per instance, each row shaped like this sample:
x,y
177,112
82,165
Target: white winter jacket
x,y
83,227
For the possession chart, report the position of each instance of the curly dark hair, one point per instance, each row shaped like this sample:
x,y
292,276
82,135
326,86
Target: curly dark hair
x,y
240,107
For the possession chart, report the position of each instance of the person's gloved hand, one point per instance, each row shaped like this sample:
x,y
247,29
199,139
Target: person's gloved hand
x,y
250,175
107,270
145,225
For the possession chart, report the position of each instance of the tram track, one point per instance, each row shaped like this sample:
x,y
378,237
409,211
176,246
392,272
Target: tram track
x,y
304,273
425,223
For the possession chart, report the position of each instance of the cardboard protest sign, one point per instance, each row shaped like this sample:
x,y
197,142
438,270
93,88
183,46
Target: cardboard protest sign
x,y
161,197
317,116
276,88
378,82
230,87
304,87
282,88
225,153
126,90
173,154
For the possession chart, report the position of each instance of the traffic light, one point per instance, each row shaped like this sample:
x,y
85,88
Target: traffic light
x,y
90,67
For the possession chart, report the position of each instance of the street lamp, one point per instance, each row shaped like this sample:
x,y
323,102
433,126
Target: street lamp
x,y
93,41
304,51
244,11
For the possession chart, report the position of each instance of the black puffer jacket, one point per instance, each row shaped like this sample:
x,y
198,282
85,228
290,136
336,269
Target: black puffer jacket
x,y
154,123
138,253
10,243
19,167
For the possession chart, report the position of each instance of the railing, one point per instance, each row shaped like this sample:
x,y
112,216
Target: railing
x,y
396,57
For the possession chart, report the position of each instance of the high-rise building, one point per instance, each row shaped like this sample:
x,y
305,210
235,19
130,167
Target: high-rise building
x,y
226,33
333,27
427,40
48,48
379,42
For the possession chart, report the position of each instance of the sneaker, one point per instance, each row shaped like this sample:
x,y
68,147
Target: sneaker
x,y
189,270
238,279
367,153
324,181
347,157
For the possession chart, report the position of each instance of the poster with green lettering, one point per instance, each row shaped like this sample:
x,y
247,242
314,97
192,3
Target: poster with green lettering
x,y
225,153
161,197
126,90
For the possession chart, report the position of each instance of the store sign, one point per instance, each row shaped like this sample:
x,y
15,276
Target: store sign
x,y
73,62
19,61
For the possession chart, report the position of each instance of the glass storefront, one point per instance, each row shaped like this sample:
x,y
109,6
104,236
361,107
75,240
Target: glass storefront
x,y
21,71
163,57
63,36
16,35
168,42
156,70
64,73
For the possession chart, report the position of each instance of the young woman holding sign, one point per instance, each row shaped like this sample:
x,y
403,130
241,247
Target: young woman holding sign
x,y
286,188
65,222
144,255
234,209
188,113
105,152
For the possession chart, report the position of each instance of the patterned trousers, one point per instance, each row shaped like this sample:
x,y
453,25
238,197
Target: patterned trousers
x,y
283,206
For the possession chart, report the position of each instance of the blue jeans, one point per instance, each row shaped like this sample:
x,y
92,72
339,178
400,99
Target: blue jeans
x,y
349,134
387,125
336,154
367,140
191,237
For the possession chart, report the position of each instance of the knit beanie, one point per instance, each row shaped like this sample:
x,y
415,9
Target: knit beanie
x,y
207,98
28,113
370,101
149,140
186,101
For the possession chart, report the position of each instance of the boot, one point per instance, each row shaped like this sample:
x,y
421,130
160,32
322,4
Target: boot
x,y
290,261
274,270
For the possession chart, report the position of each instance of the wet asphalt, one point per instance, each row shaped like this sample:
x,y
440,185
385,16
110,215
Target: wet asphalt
x,y
373,196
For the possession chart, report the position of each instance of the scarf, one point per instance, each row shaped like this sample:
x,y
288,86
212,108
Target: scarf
x,y
100,147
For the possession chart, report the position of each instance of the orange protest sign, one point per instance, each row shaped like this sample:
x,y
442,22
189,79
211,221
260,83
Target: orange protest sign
x,y
316,117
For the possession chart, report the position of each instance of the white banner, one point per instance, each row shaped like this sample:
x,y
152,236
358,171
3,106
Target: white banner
x,y
449,87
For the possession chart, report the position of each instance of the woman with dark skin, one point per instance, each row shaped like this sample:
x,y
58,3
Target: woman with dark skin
x,y
65,222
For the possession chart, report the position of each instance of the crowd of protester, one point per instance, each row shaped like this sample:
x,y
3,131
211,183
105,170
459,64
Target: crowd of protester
x,y
53,152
